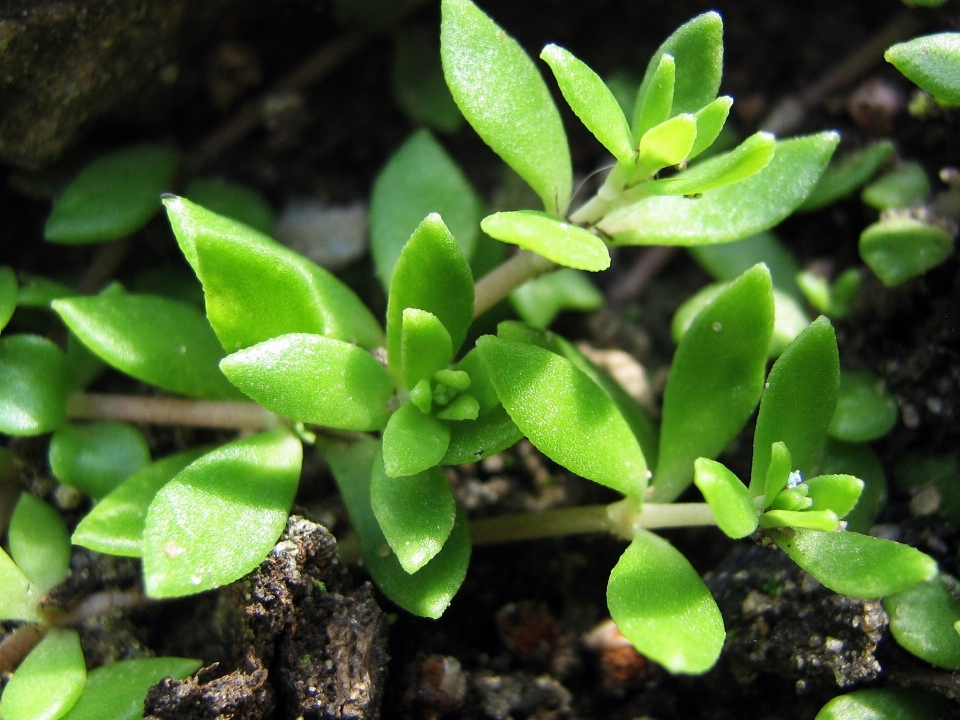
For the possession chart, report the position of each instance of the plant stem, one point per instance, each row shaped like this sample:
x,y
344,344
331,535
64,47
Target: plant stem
x,y
496,285
172,411
17,645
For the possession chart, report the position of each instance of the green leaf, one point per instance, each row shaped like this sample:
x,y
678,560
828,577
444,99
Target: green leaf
x,y
556,240
922,619
39,543
715,380
257,289
49,681
900,248
668,143
886,703
661,605
591,100
112,197
117,691
654,97
19,599
425,346
565,414
314,379
420,178
114,525
540,300
502,95
162,342
845,175
493,431
427,592
727,497
798,401
416,513
697,48
749,158
865,410
418,85
732,212
97,457
861,462
9,290
233,200
430,275
727,260
35,382
777,474
413,441
857,565
820,520
710,121
905,185
37,291
931,62
220,516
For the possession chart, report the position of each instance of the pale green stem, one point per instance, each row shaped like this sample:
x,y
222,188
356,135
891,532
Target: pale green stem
x,y
600,204
228,414
495,286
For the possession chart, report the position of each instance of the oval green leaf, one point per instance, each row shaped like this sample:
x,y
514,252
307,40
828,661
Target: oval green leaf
x,y
865,410
661,605
710,121
19,599
861,462
654,97
846,175
857,565
413,441
162,342
493,431
668,143
97,457
418,85
931,62
922,619
728,260
886,703
314,379
556,240
49,681
540,300
39,542
900,248
902,187
425,346
728,498
113,196
233,200
35,383
220,516
502,95
9,291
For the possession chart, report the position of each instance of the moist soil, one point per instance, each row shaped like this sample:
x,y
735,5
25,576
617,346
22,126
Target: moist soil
x,y
307,637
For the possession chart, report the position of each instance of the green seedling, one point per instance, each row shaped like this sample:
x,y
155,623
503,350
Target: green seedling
x,y
885,703
931,62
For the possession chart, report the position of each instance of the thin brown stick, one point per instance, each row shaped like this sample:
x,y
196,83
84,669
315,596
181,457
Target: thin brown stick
x,y
17,645
228,414
107,261
638,277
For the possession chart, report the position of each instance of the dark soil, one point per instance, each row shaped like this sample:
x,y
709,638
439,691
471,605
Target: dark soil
x,y
304,637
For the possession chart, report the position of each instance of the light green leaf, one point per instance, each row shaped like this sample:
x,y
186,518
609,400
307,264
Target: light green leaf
x,y
661,605
668,143
257,289
715,380
49,681
427,592
905,185
314,379
420,178
502,95
565,414
865,409
113,196
413,441
727,497
425,346
922,619
857,565
35,382
556,240
732,212
886,703
233,200
540,300
777,473
931,62
220,516
710,122
418,85
798,401
493,431
861,462
900,248
19,599
9,290
114,525
820,520
97,457
416,513
39,542
117,691
430,275
846,175
591,100
162,342
654,97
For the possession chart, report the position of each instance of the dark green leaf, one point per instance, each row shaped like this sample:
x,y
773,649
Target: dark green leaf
x,y
715,380
97,457
220,516
314,379
35,382
37,291
556,240
159,341
900,188
9,290
728,498
654,96
39,542
661,605
901,248
418,84
502,95
49,681
420,178
427,592
865,410
846,175
113,196
416,513
540,300
472,441
727,260
257,289
931,62
922,619
861,462
233,200
886,703
413,441
857,565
